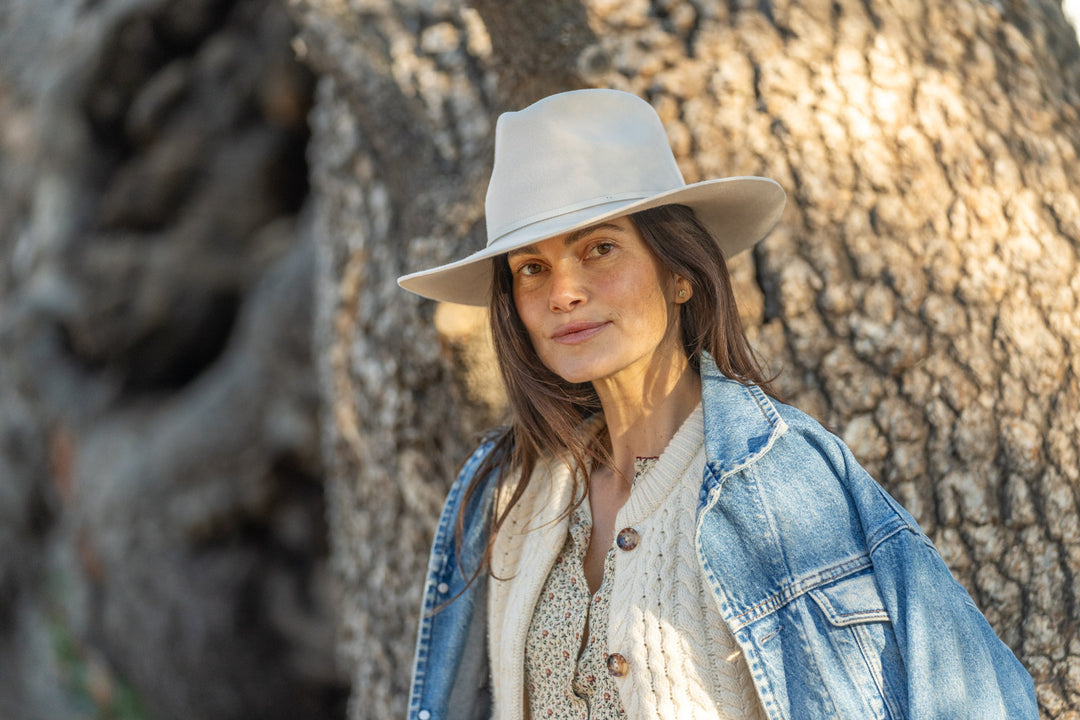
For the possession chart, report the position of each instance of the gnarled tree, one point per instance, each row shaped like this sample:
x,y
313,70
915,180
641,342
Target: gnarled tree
x,y
921,294
161,513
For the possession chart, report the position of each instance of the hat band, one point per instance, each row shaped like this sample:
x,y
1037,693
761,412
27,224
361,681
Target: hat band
x,y
596,202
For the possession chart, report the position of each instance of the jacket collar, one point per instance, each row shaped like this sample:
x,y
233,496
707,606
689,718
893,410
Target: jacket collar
x,y
741,422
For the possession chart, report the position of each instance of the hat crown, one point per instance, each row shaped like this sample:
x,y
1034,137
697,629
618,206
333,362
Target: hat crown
x,y
575,150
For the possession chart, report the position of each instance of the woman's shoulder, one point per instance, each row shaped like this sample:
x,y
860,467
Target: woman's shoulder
x,y
484,456
805,433
482,450
814,445
803,422
747,425
482,463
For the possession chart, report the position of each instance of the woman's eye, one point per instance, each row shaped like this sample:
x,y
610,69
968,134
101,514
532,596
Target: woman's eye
x,y
603,248
529,268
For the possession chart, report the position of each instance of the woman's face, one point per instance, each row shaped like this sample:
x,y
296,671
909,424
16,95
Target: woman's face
x,y
596,302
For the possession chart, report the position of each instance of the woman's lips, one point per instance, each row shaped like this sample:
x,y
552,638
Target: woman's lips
x,y
574,333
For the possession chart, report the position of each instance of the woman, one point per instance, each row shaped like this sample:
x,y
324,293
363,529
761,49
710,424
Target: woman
x,y
655,535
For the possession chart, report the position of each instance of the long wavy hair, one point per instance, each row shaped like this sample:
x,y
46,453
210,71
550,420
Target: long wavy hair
x,y
547,412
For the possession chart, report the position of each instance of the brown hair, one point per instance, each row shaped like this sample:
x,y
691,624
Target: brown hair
x,y
547,412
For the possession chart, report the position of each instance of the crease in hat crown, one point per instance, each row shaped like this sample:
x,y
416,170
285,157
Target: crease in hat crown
x,y
575,150
577,158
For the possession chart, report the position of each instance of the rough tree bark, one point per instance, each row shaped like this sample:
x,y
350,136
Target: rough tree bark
x,y
920,294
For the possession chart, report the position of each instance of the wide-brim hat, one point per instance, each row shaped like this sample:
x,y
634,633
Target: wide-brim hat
x,y
579,158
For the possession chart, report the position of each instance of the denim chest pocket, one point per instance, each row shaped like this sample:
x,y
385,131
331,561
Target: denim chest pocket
x,y
851,600
858,643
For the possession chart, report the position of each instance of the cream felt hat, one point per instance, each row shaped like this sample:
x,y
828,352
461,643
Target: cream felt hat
x,y
578,158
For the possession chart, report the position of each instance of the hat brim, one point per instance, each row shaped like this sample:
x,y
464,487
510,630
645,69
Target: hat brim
x,y
737,211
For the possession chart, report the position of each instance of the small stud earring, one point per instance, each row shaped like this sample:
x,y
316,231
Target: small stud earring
x,y
682,293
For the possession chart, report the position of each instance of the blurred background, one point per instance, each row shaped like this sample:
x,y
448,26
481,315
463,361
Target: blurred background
x,y
225,434
163,545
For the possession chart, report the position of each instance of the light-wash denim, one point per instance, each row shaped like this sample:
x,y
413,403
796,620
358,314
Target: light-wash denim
x,y
841,604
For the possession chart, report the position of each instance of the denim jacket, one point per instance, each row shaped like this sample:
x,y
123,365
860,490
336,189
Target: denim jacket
x,y
841,604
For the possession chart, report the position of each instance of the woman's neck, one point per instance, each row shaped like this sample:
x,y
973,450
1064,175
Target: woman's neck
x,y
644,409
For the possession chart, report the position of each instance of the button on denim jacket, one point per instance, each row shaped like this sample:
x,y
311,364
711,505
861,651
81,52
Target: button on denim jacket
x,y
842,606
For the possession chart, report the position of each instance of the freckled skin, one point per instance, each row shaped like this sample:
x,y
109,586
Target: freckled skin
x,y
604,275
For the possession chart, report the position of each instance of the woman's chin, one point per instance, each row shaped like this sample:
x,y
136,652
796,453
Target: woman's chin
x,y
575,373
576,378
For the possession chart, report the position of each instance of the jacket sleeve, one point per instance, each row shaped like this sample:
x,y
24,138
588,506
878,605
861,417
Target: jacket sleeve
x,y
956,665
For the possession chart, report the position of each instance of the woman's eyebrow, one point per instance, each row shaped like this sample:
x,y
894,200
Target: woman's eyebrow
x,y
528,249
578,234
570,239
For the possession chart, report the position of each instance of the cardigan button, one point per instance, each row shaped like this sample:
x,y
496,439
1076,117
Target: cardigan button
x,y
627,539
617,665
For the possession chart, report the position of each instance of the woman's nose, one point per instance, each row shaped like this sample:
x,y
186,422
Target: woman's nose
x,y
566,290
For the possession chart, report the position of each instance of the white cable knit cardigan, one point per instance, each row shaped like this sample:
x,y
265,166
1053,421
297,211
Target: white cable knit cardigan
x,y
683,660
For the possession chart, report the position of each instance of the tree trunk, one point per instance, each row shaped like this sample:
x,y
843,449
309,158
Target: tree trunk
x,y
161,511
920,295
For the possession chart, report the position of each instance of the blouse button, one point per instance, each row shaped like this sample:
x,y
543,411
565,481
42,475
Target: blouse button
x,y
424,715
443,588
617,665
627,539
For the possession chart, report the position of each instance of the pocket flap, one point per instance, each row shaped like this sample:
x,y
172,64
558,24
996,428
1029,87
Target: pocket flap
x,y
850,600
